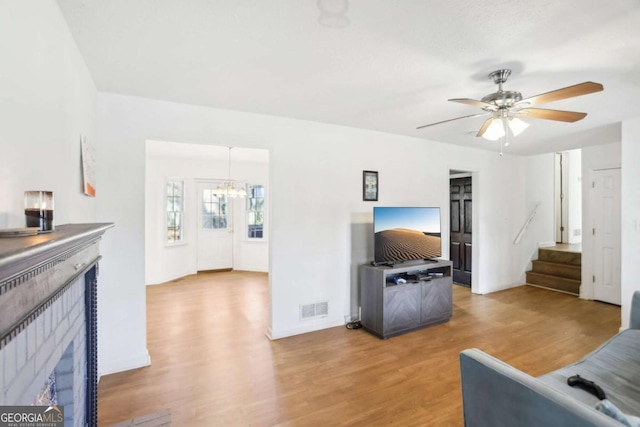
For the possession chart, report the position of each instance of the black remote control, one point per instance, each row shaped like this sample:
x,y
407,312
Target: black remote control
x,y
590,386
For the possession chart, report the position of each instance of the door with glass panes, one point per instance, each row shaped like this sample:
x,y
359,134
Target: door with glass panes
x,y
215,229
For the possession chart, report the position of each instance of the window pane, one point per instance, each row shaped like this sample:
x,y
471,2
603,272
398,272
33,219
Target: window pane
x,y
174,208
214,210
255,211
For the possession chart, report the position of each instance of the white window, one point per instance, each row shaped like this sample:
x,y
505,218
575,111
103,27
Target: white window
x,y
175,211
255,211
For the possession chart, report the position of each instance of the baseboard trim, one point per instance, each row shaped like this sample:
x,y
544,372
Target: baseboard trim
x,y
551,289
276,335
168,279
502,288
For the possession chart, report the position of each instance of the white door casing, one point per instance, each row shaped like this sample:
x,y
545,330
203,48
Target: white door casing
x,y
606,218
561,199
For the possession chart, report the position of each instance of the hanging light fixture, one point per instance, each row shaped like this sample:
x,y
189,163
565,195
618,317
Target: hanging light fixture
x,y
498,126
495,131
228,188
517,126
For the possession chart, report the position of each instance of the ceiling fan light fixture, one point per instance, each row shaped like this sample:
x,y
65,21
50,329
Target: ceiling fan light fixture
x,y
517,126
495,131
504,105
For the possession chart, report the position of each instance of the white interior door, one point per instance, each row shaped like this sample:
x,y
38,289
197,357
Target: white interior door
x,y
606,235
215,229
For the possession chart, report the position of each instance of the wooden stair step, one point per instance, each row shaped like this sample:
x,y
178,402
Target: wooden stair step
x,y
563,257
568,271
553,282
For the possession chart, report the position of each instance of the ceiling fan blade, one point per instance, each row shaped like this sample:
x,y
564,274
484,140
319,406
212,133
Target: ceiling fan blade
x,y
484,127
557,115
451,120
474,103
564,93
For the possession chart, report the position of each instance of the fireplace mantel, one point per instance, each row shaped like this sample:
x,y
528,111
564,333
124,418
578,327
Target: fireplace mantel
x,y
18,254
48,312
34,268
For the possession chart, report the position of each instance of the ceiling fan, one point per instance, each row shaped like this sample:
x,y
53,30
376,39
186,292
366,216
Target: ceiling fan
x,y
506,107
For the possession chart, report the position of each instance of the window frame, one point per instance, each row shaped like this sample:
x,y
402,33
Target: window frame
x,y
182,240
248,211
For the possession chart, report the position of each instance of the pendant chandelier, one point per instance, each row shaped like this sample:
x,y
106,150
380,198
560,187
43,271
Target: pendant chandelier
x,y
230,188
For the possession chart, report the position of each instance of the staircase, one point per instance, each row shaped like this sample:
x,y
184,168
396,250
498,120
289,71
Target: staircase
x,y
557,270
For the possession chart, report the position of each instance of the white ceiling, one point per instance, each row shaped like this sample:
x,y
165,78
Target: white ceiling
x,y
391,69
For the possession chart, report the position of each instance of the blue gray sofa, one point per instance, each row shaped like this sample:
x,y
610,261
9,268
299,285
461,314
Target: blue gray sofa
x,y
496,394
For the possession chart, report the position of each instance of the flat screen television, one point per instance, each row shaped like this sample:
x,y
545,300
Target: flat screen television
x,y
406,233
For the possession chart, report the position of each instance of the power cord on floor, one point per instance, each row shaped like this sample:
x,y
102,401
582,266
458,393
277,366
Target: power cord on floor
x,y
354,325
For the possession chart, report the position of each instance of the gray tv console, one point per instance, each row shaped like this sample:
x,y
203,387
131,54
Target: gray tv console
x,y
389,308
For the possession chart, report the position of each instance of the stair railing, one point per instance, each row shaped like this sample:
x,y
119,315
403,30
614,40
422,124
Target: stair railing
x,y
526,224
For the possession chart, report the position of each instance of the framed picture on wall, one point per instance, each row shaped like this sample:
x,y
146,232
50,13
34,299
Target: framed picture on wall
x,y
370,186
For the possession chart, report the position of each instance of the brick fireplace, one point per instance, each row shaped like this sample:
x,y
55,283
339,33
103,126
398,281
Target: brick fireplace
x,y
48,320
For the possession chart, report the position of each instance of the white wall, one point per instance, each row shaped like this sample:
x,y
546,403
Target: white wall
x,y
593,158
318,217
47,99
539,189
630,226
251,254
164,263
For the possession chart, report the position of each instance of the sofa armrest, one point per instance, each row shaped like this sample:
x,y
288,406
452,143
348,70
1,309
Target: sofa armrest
x,y
496,394
634,318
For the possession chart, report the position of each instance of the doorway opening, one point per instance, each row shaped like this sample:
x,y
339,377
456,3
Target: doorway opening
x,y
568,197
218,230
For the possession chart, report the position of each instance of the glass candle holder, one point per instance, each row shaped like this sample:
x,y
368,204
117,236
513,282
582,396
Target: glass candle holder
x,y
38,210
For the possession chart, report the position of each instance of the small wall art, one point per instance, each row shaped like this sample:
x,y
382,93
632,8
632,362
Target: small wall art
x,y
370,186
88,173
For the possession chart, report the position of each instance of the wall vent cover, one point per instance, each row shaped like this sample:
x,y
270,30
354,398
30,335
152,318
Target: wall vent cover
x,y
309,311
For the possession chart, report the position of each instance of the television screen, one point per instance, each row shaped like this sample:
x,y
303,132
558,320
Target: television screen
x,y
406,233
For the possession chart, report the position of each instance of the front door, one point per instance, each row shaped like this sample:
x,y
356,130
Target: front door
x,y
215,229
606,235
460,237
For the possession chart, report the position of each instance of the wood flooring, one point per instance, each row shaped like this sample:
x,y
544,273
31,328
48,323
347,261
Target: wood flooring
x,y
212,364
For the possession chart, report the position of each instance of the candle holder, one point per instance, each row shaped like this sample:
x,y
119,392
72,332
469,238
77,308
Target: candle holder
x,y
38,210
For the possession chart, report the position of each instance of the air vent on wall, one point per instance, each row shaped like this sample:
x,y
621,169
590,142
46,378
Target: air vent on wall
x,y
309,311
